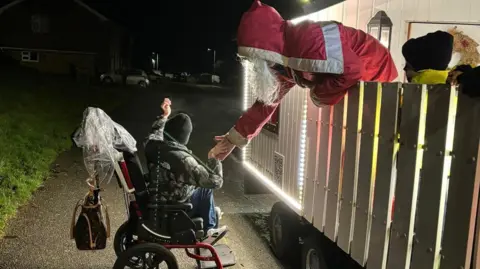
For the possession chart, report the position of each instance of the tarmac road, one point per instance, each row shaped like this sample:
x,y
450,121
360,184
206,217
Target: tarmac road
x,y
39,236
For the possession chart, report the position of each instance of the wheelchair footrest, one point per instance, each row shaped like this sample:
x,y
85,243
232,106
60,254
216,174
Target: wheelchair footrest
x,y
226,255
212,240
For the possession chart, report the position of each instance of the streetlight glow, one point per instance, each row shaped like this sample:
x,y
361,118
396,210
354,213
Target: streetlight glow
x,y
214,55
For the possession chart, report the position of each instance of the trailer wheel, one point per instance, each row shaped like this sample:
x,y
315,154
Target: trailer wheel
x,y
284,234
312,255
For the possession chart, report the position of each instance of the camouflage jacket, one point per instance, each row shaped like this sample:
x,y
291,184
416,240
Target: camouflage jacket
x,y
174,172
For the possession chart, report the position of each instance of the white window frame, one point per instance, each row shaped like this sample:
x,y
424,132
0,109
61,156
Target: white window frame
x,y
27,56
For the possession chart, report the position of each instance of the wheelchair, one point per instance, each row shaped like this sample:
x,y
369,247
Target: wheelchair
x,y
138,243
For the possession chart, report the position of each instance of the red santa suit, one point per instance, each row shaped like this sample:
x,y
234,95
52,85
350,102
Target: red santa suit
x,y
333,56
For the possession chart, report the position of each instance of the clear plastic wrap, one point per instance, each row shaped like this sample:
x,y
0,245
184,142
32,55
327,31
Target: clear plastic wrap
x,y
102,140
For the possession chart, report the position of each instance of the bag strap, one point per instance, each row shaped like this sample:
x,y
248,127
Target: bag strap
x,y
107,218
92,243
72,226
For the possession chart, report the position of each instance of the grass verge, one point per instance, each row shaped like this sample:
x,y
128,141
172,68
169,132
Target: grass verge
x,y
37,116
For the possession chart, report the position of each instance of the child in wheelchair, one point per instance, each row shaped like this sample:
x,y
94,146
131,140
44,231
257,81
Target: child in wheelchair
x,y
170,207
175,175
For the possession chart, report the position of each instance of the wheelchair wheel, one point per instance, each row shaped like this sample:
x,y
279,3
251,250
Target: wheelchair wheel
x,y
122,240
146,256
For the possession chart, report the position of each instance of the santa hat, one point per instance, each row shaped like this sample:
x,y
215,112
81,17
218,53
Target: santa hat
x,y
432,51
261,33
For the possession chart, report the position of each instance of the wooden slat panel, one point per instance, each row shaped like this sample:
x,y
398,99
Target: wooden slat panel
x,y
463,189
352,141
367,158
288,138
311,162
285,136
319,210
433,181
336,166
385,178
412,133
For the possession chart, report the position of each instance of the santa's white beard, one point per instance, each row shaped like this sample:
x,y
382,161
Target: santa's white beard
x,y
262,80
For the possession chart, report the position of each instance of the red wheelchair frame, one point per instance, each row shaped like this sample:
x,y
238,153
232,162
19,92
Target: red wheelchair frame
x,y
128,187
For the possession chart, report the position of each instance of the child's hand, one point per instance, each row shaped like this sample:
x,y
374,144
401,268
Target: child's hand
x,y
223,148
166,106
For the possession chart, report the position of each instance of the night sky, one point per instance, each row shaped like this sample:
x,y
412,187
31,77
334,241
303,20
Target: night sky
x,y
181,31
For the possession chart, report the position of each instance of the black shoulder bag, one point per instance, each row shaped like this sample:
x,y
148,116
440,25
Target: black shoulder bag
x,y
91,229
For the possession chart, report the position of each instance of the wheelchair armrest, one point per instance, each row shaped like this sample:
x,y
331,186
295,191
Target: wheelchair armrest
x,y
174,207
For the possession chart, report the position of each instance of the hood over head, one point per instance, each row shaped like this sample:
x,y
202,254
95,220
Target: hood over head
x,y
261,30
309,46
179,127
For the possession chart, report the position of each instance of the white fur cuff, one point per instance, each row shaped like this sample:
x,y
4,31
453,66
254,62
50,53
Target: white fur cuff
x,y
236,138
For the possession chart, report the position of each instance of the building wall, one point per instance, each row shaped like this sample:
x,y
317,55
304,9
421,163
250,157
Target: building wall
x,y
69,27
58,63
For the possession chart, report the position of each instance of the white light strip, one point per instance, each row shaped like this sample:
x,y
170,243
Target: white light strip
x,y
301,157
246,101
315,16
295,205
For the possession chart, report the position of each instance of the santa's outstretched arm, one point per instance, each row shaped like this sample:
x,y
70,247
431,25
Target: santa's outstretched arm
x,y
252,121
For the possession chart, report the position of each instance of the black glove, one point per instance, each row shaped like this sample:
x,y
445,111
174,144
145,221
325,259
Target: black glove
x,y
469,80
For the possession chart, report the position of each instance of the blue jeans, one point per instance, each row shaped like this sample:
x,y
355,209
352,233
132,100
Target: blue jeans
x,y
204,207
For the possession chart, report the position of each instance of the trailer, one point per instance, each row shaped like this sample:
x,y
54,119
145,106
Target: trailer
x,y
387,178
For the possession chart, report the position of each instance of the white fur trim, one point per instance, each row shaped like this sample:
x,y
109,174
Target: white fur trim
x,y
333,47
263,54
236,138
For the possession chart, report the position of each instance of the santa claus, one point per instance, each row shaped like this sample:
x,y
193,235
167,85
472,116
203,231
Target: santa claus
x,y
328,58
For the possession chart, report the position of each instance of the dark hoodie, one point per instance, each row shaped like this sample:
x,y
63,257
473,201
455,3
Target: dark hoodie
x,y
174,172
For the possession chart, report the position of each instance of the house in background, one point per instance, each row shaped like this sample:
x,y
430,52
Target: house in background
x,y
63,37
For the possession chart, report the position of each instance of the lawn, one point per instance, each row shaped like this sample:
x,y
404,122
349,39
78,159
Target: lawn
x,y
37,116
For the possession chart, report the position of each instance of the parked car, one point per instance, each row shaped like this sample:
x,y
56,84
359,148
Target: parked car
x,y
209,78
180,77
155,76
128,77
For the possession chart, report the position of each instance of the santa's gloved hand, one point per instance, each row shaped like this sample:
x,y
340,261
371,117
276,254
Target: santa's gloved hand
x,y
223,148
469,81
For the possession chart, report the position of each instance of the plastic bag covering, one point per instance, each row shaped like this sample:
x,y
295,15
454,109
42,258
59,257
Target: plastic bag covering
x,y
102,140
